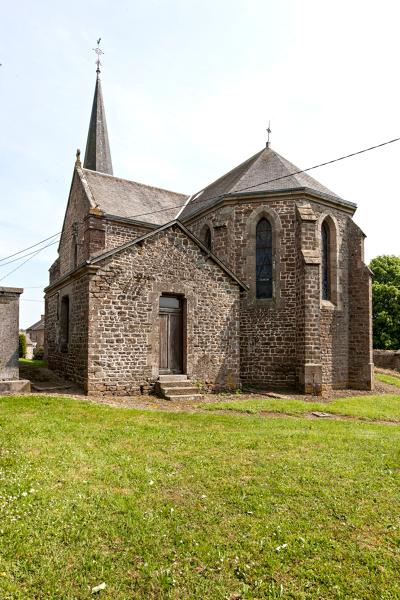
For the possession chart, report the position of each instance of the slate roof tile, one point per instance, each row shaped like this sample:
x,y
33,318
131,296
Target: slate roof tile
x,y
129,199
266,171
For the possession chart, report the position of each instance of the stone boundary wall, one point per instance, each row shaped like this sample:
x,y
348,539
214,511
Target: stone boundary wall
x,y
387,359
9,327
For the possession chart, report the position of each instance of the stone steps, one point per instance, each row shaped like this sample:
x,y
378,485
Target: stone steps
x,y
172,378
176,387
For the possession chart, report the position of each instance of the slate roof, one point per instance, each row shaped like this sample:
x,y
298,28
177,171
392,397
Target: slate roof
x,y
98,155
129,199
37,326
266,171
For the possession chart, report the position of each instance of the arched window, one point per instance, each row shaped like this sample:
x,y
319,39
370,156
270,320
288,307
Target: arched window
x,y
325,260
206,237
64,324
264,259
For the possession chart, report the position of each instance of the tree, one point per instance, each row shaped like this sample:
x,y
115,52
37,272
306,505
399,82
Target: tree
x,y
386,302
22,345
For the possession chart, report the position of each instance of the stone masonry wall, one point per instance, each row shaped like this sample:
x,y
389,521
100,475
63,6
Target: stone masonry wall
x,y
361,367
74,228
118,233
267,327
124,321
273,332
9,327
334,317
387,359
70,362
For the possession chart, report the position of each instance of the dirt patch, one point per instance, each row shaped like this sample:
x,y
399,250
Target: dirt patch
x,y
46,382
388,372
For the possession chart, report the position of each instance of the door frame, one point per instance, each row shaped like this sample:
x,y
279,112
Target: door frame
x,y
183,333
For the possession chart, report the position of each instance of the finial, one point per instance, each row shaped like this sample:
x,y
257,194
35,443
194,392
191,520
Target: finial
x,y
78,158
99,52
268,132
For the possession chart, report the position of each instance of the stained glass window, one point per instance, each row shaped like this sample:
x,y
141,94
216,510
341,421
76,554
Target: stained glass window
x,y
325,292
264,259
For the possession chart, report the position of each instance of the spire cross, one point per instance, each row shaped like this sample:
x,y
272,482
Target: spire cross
x,y
99,52
268,132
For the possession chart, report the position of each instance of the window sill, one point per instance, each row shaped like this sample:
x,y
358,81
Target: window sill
x,y
262,302
328,305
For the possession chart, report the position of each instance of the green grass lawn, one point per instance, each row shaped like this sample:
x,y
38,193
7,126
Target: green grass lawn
x,y
388,379
194,506
33,362
374,408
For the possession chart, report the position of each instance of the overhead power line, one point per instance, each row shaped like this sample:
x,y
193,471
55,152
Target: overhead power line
x,y
249,187
29,247
25,261
323,164
25,255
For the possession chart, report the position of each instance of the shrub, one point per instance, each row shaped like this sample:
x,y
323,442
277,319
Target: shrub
x,y
386,302
22,345
38,353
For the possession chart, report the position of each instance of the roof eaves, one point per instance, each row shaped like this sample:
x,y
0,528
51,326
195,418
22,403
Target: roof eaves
x,y
129,220
73,274
259,194
335,199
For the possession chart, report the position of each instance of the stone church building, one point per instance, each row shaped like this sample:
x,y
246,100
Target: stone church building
x,y
257,279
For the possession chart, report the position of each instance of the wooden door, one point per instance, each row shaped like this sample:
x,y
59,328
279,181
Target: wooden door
x,y
171,335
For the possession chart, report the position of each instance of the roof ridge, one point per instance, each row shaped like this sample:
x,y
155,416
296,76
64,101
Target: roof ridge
x,y
250,160
284,160
270,152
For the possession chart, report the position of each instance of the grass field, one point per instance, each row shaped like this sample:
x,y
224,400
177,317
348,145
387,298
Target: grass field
x,y
374,408
32,362
388,379
194,506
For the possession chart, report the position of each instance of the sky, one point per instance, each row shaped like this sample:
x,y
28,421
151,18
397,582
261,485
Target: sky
x,y
189,87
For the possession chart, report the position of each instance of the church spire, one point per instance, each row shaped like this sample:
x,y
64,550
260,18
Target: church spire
x,y
98,155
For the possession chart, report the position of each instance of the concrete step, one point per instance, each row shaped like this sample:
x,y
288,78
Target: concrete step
x,y
183,397
173,384
15,386
171,378
166,390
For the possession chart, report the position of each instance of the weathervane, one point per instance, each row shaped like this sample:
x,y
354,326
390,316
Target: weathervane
x,y
99,52
268,131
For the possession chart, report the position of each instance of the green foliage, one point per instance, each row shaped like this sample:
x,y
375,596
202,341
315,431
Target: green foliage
x,y
22,345
32,363
386,302
38,353
386,269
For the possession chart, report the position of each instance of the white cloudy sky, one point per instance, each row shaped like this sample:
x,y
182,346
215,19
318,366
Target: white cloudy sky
x,y
189,88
